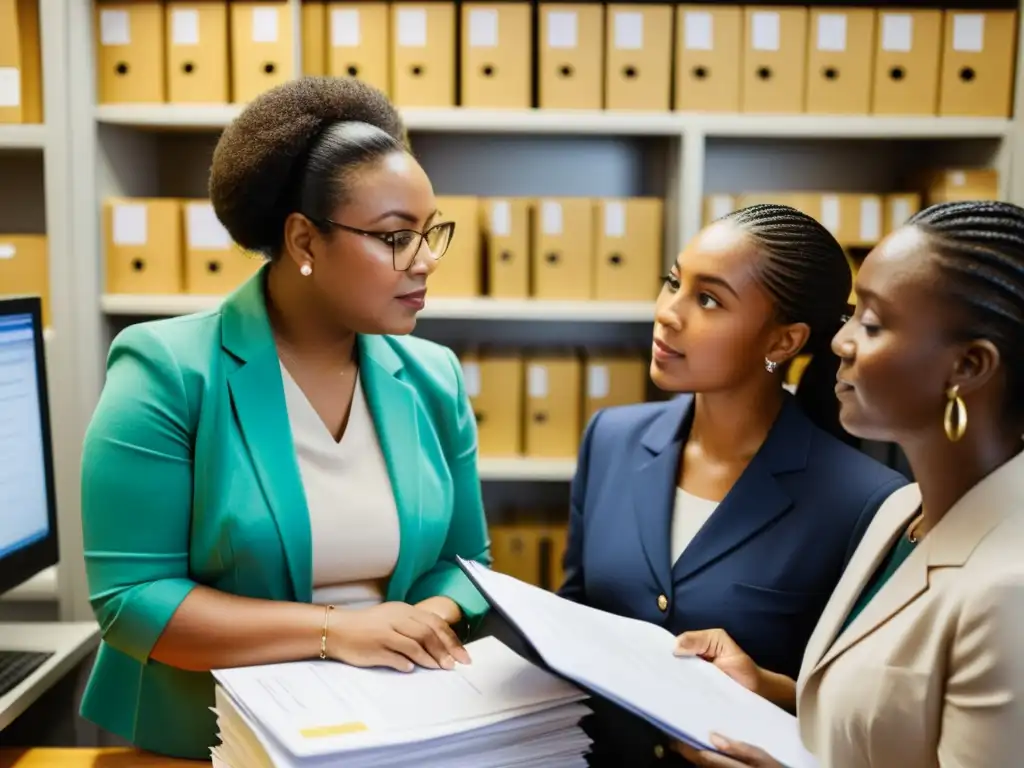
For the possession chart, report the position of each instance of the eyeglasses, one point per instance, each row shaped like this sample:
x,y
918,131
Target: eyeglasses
x,y
406,243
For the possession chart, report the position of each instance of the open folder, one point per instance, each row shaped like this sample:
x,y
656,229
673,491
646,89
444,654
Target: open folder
x,y
631,663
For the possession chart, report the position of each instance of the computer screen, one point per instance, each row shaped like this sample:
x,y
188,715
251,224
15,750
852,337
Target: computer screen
x,y
28,525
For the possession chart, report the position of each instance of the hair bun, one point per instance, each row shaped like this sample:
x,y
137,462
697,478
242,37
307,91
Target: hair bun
x,y
256,155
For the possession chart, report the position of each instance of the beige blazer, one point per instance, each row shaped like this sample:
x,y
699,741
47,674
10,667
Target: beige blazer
x,y
932,671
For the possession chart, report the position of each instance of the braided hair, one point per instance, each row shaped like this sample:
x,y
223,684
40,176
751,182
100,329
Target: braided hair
x,y
979,250
805,271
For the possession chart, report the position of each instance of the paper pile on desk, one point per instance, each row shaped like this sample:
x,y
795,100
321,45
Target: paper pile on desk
x,y
498,711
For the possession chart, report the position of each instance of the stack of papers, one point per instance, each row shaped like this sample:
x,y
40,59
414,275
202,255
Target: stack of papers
x,y
631,663
500,711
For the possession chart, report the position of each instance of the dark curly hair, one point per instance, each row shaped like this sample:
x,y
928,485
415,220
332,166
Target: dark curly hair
x,y
290,151
805,271
978,247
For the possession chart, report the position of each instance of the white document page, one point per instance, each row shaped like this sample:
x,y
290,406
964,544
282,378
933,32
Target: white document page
x,y
324,707
631,663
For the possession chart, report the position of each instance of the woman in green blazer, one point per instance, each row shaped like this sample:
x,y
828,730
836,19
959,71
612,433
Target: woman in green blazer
x,y
289,476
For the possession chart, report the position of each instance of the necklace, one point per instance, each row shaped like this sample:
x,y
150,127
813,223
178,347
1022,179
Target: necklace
x,y
349,363
912,536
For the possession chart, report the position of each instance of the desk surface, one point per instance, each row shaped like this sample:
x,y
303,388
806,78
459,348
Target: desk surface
x,y
70,642
89,758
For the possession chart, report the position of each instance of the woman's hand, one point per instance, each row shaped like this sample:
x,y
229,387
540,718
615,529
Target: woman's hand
x,y
716,646
731,754
393,635
444,607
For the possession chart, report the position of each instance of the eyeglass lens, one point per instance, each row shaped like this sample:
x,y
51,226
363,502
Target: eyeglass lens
x,y
407,244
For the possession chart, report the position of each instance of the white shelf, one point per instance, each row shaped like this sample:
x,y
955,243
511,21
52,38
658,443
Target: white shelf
x,y
22,136
599,122
441,308
551,470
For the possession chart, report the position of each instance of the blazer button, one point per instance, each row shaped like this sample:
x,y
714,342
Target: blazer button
x,y
659,751
662,603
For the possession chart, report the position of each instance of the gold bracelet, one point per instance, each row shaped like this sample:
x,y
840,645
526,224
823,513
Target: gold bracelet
x,y
323,632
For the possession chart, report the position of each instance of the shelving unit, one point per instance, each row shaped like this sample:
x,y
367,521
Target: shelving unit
x,y
164,149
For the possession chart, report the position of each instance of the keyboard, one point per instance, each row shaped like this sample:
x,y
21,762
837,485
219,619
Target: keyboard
x,y
15,666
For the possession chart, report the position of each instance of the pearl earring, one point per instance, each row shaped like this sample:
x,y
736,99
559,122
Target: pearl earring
x,y
770,365
306,270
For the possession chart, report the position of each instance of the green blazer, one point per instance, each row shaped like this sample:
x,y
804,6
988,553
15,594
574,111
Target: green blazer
x,y
189,477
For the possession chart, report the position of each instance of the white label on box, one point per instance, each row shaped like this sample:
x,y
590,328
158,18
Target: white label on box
x,y
614,219
501,218
130,224
832,32
537,381
7,251
184,27
205,232
483,28
830,213
870,220
10,87
969,32
897,32
412,27
471,379
956,178
115,28
345,28
561,29
629,30
765,31
700,31
598,385
264,25
721,205
551,217
900,211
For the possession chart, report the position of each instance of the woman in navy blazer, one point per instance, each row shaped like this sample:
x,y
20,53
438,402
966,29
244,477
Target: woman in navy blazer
x,y
735,504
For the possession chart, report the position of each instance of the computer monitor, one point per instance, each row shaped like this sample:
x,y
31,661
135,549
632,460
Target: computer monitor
x,y
28,510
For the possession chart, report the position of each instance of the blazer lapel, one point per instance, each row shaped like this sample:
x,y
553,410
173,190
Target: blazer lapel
x,y
756,499
654,485
257,393
393,406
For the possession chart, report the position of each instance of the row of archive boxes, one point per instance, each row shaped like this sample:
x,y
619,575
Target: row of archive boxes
x,y
21,62
170,246
862,220
537,404
575,248
783,59
530,551
25,268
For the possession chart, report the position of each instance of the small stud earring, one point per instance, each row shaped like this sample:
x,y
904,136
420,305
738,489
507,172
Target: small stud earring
x,y
770,365
306,270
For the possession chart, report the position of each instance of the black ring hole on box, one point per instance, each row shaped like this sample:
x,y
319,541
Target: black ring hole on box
x,y
138,265
480,418
416,70
352,70
540,417
506,256
269,68
764,73
967,74
551,258
213,267
897,73
565,70
121,68
615,259
831,73
629,72
188,67
700,73
488,70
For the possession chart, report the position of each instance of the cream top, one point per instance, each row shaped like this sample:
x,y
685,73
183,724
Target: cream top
x,y
688,517
352,511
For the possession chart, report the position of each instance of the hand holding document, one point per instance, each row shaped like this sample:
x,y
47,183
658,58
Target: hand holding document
x,y
499,711
631,663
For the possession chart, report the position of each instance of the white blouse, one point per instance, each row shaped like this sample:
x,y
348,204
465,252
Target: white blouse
x,y
689,515
352,511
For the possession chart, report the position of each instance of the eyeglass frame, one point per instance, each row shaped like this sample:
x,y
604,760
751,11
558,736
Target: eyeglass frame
x,y
392,233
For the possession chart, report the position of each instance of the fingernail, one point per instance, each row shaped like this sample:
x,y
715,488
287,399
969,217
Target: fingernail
x,y
448,662
720,742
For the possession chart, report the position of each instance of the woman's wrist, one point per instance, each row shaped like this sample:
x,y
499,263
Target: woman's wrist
x,y
776,688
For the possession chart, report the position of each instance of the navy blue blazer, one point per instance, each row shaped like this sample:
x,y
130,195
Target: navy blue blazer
x,y
762,567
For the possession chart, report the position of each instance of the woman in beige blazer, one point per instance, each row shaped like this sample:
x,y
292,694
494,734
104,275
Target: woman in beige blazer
x,y
918,659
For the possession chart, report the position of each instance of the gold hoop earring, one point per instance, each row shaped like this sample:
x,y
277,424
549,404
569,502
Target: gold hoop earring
x,y
955,419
